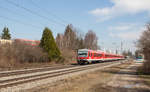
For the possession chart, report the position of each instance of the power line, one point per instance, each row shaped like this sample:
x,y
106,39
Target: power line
x,y
14,12
14,20
47,11
33,12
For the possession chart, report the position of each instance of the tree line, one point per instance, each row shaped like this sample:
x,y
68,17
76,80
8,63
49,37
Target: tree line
x,y
46,51
72,39
54,49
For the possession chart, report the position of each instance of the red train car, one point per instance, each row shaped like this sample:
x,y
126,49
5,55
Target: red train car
x,y
89,56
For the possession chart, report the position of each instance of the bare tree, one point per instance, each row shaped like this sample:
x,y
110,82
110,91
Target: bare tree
x,y
144,45
70,37
60,40
90,40
144,42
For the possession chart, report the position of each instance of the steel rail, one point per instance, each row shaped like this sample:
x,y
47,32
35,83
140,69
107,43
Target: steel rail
x,y
21,80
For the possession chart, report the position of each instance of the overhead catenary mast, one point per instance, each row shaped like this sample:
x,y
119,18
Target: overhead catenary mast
x,y
121,47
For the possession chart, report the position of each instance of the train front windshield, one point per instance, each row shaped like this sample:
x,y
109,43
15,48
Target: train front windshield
x,y
82,54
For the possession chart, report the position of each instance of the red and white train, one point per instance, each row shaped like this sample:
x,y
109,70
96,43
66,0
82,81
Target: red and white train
x,y
90,56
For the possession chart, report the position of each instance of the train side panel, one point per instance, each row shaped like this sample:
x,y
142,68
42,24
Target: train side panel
x,y
89,56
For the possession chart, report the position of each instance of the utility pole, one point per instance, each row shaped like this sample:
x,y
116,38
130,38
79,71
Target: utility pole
x,y
121,47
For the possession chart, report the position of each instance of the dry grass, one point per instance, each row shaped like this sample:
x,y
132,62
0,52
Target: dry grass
x,y
19,54
145,79
69,55
145,68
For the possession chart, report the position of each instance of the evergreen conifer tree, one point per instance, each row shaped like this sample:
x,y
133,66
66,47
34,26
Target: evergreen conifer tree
x,y
49,45
6,34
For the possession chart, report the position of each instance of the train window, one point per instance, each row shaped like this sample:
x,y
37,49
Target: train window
x,y
99,55
92,54
95,55
107,56
82,54
89,54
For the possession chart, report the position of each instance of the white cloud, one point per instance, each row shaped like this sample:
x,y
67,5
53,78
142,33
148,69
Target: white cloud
x,y
129,35
103,11
132,33
121,7
119,28
123,27
112,34
126,35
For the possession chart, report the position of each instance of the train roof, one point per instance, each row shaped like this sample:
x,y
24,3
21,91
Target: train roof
x,y
98,51
83,50
27,40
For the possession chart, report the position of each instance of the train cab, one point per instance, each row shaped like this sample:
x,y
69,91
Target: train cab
x,y
89,56
83,56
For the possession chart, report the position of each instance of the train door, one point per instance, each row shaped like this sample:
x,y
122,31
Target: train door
x,y
103,56
89,55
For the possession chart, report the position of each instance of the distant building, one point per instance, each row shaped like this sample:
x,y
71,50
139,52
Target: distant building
x,y
28,42
3,41
24,41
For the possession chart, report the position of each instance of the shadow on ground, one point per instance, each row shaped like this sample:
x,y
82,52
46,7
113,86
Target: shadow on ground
x,y
122,72
118,89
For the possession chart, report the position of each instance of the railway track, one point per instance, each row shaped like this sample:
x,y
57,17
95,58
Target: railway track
x,y
15,78
26,71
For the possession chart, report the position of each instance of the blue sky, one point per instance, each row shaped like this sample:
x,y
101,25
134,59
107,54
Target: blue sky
x,y
114,21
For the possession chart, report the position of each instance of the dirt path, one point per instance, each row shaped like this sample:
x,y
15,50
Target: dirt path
x,y
126,80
